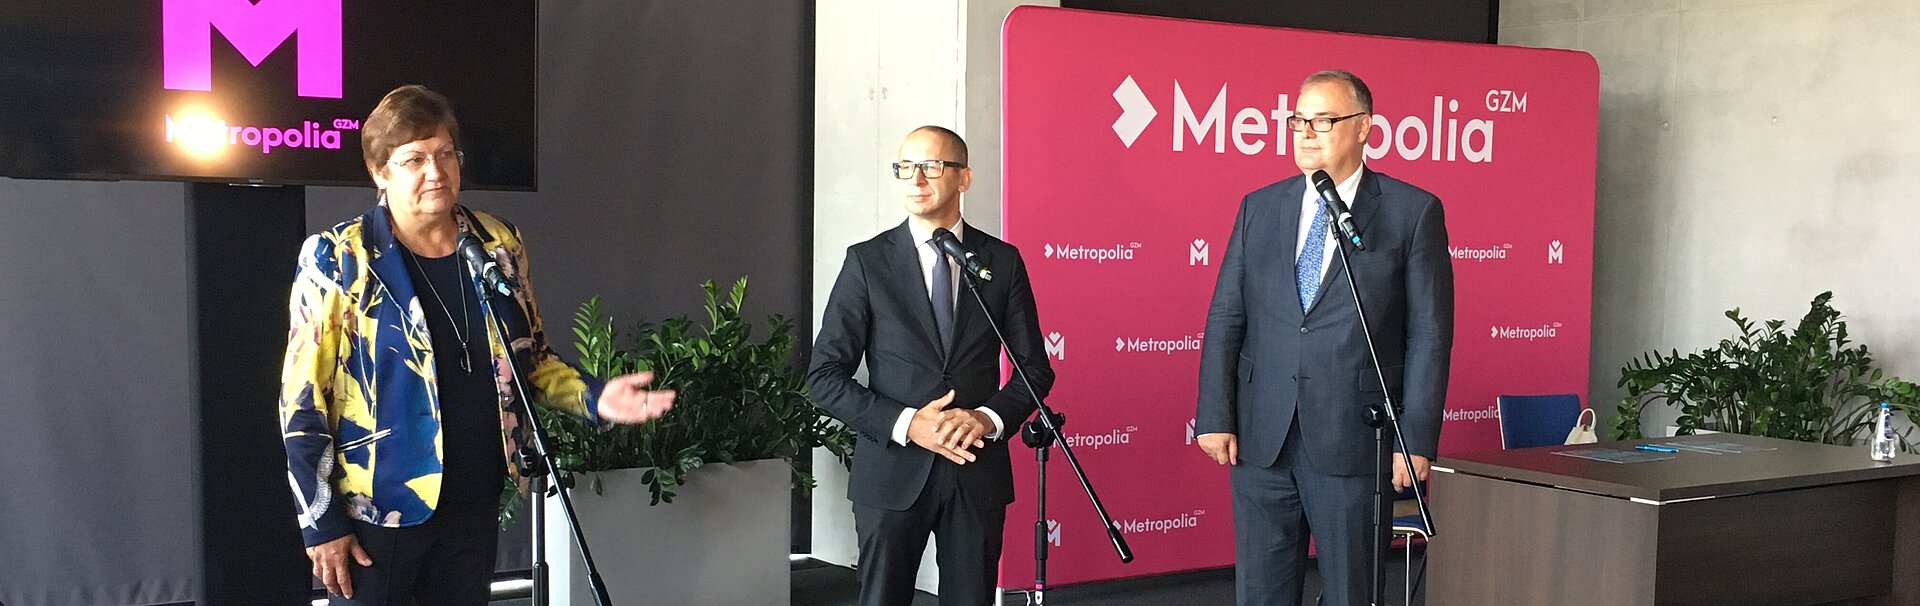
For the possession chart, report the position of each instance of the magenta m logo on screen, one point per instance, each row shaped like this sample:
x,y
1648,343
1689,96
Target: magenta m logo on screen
x,y
256,30
188,31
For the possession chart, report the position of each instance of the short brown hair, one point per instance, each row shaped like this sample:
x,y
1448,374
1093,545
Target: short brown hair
x,y
407,114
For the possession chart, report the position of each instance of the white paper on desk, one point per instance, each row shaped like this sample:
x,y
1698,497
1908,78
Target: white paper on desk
x,y
1615,455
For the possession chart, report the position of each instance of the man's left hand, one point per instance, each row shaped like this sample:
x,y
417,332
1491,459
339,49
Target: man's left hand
x,y
626,400
1420,468
963,428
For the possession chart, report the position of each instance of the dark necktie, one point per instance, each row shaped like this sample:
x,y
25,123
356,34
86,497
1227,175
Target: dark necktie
x,y
942,298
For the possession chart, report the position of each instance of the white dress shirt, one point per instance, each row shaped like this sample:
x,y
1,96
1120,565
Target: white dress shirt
x,y
1310,204
929,256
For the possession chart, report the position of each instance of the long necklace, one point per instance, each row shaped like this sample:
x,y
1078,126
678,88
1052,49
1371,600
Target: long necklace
x,y
466,353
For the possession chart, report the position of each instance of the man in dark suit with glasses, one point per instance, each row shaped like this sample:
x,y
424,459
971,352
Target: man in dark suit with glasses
x,y
933,415
1285,374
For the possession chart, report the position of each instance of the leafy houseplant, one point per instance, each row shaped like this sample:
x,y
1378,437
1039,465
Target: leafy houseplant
x,y
737,399
1810,383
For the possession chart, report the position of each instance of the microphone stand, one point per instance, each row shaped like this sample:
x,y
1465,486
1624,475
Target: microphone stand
x,y
539,465
1379,416
1046,434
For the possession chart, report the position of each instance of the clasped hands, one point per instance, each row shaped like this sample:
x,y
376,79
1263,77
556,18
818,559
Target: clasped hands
x,y
949,432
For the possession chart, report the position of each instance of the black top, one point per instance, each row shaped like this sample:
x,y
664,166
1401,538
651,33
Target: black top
x,y
474,464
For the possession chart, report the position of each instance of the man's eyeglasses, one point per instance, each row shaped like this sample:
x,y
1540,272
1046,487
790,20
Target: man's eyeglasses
x,y
448,159
933,169
1320,125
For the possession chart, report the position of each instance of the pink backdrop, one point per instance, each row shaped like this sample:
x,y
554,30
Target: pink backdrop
x,y
1129,142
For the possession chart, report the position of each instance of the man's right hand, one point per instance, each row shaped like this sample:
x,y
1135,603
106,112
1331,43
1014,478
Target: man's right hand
x,y
330,563
925,429
1223,447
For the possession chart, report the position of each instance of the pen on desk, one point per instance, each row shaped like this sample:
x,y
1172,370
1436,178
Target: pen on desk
x,y
1652,448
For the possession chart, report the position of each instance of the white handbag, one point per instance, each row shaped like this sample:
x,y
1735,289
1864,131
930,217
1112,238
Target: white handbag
x,y
1582,432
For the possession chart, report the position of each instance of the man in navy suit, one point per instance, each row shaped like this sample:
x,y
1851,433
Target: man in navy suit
x,y
1285,377
933,416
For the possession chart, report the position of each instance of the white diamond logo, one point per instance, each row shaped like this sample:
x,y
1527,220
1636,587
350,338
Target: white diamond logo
x,y
1119,344
1048,251
1135,111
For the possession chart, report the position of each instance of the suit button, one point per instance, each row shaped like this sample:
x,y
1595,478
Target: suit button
x,y
947,376
1303,330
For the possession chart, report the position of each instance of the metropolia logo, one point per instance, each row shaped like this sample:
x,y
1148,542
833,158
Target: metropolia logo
x,y
1556,253
1056,346
1181,521
256,31
1197,253
1167,346
1477,254
1190,436
1053,532
1476,415
1444,137
1526,333
1098,255
1117,437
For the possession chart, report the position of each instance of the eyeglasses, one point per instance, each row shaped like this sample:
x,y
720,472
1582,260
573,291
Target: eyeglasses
x,y
1320,125
448,159
933,169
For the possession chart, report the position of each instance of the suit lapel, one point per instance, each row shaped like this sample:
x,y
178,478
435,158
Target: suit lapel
x,y
388,265
1287,235
904,261
1364,204
968,325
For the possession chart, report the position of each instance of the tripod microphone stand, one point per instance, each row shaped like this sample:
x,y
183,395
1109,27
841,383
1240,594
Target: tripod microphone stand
x,y
540,463
1042,433
1381,416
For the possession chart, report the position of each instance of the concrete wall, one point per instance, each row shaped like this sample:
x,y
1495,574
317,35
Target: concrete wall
x,y
1752,154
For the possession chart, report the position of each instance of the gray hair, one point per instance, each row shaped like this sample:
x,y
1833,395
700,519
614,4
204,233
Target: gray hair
x,y
1361,94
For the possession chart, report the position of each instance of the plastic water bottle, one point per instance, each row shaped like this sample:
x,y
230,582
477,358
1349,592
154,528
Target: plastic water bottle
x,y
1883,441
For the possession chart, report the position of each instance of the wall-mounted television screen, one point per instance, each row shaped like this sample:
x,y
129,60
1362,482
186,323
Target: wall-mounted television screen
x,y
256,91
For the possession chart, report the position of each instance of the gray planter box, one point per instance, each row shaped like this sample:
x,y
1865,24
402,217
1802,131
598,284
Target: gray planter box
x,y
724,539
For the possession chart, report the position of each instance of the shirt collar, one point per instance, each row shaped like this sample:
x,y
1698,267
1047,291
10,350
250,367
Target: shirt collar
x,y
922,234
1348,189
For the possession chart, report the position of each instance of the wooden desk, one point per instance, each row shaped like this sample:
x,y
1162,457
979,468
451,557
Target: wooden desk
x,y
1800,524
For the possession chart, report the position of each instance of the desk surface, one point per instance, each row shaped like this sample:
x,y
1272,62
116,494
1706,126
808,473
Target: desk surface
x,y
1689,475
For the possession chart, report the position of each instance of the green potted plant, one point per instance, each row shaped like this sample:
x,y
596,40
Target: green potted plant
x,y
740,417
1810,383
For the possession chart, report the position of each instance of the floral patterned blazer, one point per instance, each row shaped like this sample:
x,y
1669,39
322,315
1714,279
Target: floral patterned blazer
x,y
359,405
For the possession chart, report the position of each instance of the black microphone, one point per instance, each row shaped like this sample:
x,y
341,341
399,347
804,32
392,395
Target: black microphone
x,y
482,265
1341,216
944,240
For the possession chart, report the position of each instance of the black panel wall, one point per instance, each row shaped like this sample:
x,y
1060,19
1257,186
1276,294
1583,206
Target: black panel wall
x,y
244,241
1456,20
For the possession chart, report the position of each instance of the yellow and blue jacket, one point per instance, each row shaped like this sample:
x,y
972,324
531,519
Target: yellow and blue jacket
x,y
359,405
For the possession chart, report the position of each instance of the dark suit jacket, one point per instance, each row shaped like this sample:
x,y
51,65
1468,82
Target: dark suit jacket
x,y
880,312
1265,363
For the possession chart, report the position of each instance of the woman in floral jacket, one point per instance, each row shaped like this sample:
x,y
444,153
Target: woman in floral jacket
x,y
396,401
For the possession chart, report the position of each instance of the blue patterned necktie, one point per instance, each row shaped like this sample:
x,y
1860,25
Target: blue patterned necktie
x,y
1308,270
